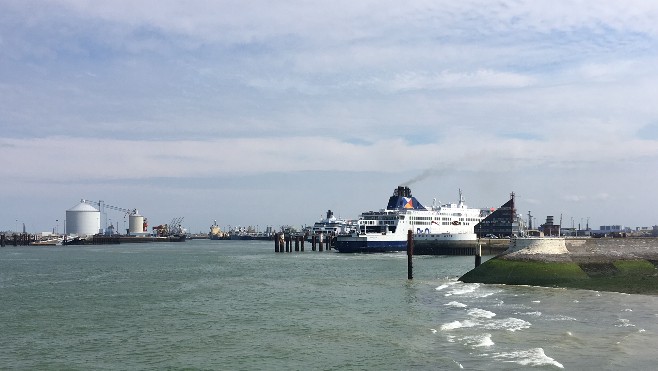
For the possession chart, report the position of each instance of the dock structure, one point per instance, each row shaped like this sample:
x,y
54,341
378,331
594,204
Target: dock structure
x,y
287,242
22,239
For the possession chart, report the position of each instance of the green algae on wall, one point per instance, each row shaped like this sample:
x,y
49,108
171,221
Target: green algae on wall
x,y
628,276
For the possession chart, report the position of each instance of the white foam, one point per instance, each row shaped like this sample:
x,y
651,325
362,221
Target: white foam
x,y
508,324
534,314
463,289
458,324
530,357
458,364
624,323
446,285
481,313
477,341
456,304
560,317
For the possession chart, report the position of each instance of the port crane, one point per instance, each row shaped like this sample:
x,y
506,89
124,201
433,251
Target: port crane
x,y
173,228
102,206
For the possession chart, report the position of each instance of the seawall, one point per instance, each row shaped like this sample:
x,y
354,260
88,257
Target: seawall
x,y
628,265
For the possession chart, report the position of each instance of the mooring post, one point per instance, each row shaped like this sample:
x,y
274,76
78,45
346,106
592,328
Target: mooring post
x,y
478,255
302,243
321,242
410,254
276,242
296,243
313,241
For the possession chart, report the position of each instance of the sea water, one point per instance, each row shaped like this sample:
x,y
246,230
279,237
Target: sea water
x,y
238,305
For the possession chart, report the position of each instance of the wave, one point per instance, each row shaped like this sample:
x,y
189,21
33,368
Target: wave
x,y
467,288
533,314
481,313
530,357
456,304
477,341
458,324
446,285
509,324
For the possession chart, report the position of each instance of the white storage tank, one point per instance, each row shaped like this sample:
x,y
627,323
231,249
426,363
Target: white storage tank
x,y
83,220
135,223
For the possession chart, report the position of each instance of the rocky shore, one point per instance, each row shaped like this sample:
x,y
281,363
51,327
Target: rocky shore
x,y
628,265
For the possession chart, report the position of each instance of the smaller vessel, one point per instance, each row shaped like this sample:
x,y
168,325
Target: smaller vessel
x,y
332,226
250,233
216,233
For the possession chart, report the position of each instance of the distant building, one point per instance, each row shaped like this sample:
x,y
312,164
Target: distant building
x,y
501,223
612,229
549,228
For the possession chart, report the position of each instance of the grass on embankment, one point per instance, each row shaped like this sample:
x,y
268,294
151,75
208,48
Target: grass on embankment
x,y
628,276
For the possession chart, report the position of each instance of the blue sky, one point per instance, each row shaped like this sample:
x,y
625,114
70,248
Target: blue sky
x,y
269,113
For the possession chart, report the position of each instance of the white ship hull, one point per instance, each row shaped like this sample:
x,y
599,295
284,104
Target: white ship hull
x,y
446,226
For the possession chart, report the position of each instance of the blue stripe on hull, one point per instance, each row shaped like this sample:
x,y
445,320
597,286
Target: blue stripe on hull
x,y
370,246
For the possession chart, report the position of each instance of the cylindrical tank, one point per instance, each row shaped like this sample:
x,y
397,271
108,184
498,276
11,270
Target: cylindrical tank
x,y
83,220
135,223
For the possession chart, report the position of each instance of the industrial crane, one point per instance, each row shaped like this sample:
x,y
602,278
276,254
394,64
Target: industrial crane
x,y
102,206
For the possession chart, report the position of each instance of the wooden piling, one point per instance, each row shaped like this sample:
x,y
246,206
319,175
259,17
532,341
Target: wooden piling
x,y
478,256
410,254
321,243
276,242
296,243
303,238
314,240
2,240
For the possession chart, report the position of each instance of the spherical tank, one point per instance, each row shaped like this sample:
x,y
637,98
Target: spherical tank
x,y
135,223
83,220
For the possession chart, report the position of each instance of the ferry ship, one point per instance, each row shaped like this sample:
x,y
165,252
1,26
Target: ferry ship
x,y
434,228
451,230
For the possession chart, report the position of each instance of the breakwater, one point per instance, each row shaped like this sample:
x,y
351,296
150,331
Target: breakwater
x,y
628,265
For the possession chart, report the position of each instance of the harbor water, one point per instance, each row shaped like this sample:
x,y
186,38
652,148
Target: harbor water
x,y
237,305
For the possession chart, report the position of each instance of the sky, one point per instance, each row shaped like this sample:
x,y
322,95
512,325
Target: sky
x,y
260,113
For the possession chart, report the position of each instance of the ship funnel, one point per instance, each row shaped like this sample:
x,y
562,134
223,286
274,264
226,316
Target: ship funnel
x,y
330,214
403,191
